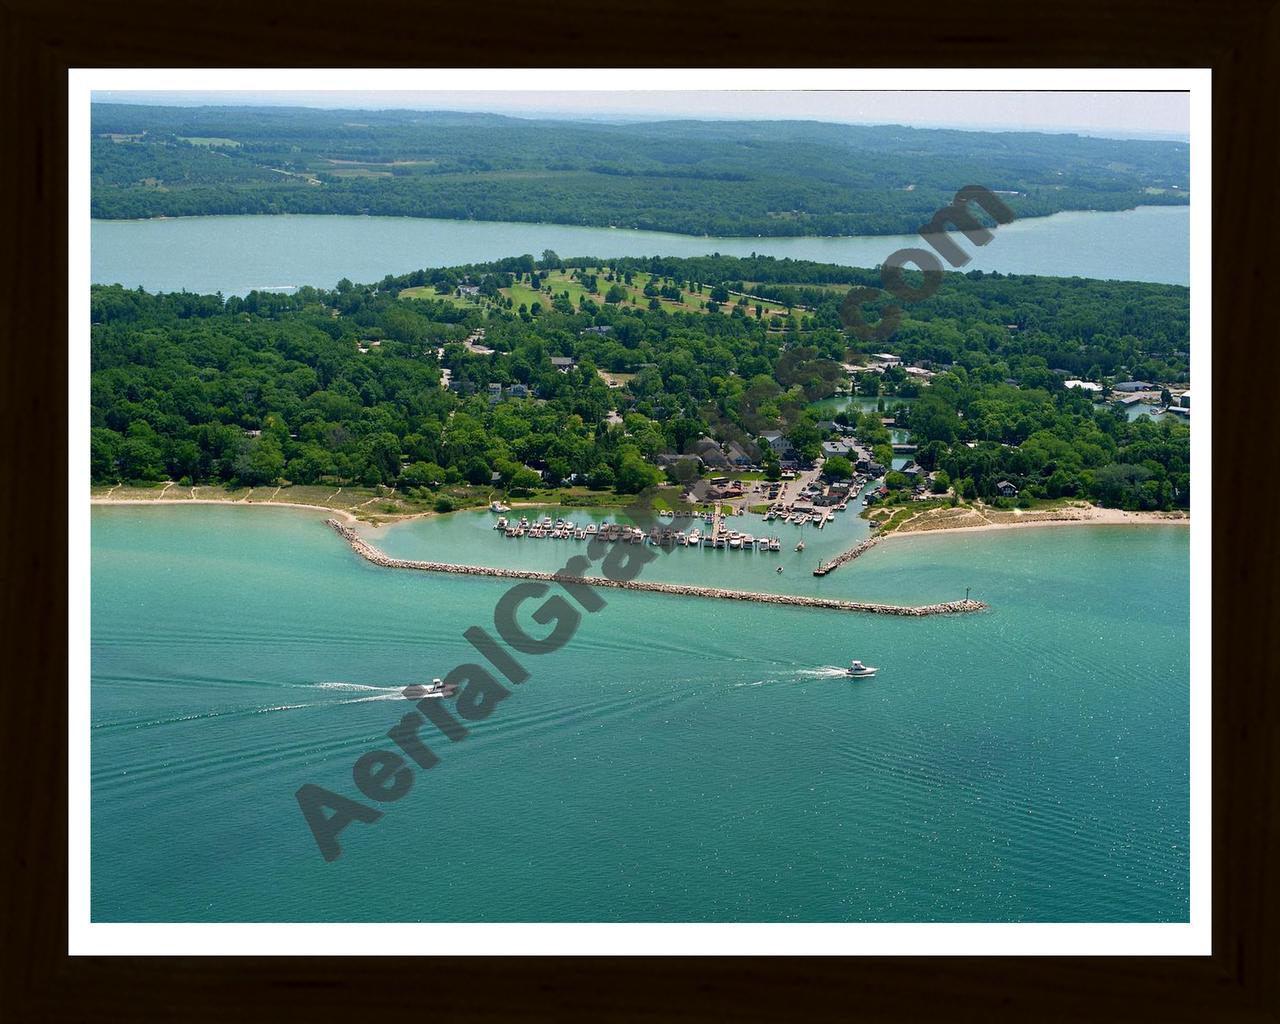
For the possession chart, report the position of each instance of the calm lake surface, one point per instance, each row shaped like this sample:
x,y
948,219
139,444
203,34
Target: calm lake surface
x,y
680,759
235,255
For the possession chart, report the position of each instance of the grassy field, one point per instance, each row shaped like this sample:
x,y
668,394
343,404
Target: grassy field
x,y
428,291
561,282
215,143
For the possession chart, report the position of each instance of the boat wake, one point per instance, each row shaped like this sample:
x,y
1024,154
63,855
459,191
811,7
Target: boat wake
x,y
799,675
377,696
368,692
824,672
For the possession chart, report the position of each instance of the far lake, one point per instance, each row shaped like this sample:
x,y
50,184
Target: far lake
x,y
235,255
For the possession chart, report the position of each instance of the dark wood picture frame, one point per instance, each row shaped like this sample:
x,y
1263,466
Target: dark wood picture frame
x,y
1240,981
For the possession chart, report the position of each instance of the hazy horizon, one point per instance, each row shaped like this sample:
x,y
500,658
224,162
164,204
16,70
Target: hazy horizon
x,y
1147,116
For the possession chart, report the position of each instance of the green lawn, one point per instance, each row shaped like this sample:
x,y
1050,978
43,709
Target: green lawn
x,y
197,140
428,291
561,281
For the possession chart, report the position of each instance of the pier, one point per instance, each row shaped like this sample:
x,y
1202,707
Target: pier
x,y
371,554
848,556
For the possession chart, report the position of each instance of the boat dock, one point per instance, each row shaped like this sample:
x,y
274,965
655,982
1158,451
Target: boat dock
x,y
848,556
717,535
371,554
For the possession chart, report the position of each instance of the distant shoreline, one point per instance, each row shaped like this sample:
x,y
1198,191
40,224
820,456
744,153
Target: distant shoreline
x,y
607,227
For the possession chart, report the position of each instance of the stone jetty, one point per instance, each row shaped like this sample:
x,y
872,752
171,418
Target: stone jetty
x,y
368,552
848,556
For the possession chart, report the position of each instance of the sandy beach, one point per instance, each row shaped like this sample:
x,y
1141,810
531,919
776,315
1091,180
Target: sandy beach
x,y
98,499
935,520
957,520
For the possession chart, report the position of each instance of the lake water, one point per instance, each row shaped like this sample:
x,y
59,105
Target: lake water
x,y
679,759
235,255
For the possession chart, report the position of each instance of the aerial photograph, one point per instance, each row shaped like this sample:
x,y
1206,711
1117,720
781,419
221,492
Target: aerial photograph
x,y
733,507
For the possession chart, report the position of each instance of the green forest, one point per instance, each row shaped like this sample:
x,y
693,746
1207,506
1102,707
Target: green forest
x,y
345,385
690,177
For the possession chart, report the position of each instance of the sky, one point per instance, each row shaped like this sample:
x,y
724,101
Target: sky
x,y
1110,114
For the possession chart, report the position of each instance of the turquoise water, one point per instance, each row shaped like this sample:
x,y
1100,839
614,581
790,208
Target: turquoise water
x,y
237,254
679,759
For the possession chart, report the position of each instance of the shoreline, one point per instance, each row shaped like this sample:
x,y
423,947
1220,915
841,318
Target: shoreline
x,y
608,227
238,503
1091,515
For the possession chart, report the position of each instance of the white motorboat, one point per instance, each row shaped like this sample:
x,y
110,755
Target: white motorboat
x,y
497,506
857,670
436,688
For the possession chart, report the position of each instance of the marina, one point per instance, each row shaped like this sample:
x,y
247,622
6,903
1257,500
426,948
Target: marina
x,y
717,536
371,554
707,529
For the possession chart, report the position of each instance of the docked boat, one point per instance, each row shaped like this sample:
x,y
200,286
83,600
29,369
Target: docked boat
x,y
857,670
775,544
497,506
590,531
501,524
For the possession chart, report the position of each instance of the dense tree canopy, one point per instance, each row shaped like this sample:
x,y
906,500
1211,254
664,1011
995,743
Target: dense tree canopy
x,y
346,385
714,178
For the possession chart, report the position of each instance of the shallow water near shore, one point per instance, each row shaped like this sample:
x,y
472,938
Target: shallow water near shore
x,y
679,759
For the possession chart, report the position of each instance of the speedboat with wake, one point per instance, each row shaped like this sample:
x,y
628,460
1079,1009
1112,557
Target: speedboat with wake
x,y
435,688
857,670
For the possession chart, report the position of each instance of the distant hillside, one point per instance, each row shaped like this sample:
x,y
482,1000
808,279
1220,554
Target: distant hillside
x,y
691,177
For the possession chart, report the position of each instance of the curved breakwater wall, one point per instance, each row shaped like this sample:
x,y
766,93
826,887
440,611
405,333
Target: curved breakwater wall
x,y
368,552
